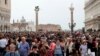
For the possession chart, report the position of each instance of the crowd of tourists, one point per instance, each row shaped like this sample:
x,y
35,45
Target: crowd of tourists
x,y
50,44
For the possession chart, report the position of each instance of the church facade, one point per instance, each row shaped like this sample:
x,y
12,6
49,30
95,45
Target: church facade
x,y
92,15
5,14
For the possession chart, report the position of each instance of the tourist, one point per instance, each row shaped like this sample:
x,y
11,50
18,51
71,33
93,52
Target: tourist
x,y
83,48
34,52
12,51
69,46
58,49
3,43
52,48
23,47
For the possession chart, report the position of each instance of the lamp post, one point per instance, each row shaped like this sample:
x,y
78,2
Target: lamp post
x,y
36,11
72,24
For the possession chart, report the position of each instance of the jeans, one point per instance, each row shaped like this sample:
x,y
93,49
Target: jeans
x,y
2,51
58,55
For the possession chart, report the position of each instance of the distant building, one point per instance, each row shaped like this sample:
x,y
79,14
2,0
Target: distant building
x,y
92,15
49,27
30,26
23,26
5,14
19,27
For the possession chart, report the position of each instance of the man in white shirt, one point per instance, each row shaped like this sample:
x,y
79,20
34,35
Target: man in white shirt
x,y
3,43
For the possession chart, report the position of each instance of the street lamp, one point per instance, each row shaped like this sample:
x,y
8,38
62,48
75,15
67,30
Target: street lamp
x,y
72,24
36,11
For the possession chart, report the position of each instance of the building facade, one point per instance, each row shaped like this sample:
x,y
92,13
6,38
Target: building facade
x,y
19,27
22,25
49,27
92,15
30,26
5,13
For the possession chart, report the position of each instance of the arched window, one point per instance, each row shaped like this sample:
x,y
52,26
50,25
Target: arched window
x,y
5,1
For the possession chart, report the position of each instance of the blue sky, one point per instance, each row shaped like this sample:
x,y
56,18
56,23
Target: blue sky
x,y
51,11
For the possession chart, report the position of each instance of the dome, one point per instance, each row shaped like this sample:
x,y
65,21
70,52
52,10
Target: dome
x,y
23,20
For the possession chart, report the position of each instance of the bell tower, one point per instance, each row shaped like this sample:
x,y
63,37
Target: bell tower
x,y
5,14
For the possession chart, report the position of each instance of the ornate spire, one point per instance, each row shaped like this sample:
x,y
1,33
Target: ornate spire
x,y
23,20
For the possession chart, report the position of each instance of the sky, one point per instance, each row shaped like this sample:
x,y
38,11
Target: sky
x,y
51,11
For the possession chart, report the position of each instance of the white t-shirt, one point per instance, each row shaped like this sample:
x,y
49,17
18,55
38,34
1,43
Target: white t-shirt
x,y
3,43
83,49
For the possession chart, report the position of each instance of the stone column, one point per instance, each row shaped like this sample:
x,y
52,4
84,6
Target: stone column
x,y
36,11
